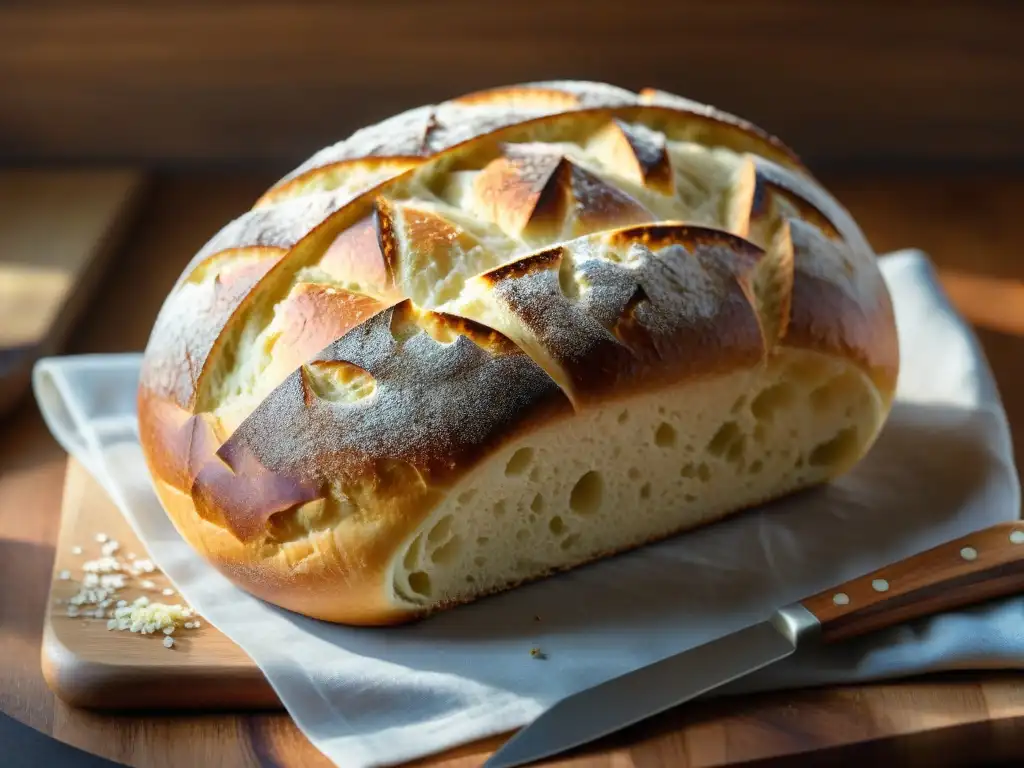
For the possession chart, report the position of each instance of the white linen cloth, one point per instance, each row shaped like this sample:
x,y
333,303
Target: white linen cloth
x,y
372,697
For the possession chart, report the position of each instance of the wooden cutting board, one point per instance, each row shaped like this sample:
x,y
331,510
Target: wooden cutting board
x,y
88,666
58,230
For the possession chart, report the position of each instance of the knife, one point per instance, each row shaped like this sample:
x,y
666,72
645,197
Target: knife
x,y
981,566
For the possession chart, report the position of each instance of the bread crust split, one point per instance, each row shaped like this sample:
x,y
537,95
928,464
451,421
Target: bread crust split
x,y
421,369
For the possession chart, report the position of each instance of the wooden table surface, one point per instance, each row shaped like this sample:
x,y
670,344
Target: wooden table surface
x,y
969,225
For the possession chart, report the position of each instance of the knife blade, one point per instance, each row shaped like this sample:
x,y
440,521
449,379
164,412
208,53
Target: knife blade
x,y
635,696
981,566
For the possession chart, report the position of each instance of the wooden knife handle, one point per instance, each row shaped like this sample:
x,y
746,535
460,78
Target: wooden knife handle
x,y
980,566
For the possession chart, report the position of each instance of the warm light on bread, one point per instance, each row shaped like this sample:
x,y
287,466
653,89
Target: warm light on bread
x,y
499,337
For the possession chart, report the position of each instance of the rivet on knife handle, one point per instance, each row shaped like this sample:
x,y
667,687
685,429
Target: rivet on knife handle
x,y
981,566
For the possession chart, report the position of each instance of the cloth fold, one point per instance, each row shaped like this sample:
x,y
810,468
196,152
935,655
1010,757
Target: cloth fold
x,y
942,467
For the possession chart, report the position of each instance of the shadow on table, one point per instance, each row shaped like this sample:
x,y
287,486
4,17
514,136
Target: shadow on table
x,y
25,747
25,572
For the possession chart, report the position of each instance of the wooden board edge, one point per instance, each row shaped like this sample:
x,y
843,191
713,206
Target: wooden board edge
x,y
93,685
89,683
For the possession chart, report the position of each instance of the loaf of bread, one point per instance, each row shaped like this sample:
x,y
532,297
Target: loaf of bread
x,y
503,336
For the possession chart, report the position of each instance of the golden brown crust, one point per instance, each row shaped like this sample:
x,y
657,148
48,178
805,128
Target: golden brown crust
x,y
281,578
636,153
296,449
848,316
576,241
176,443
312,317
839,303
356,257
292,448
533,192
607,315
178,348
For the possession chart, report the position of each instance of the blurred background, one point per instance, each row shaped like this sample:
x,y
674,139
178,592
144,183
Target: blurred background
x,y
850,85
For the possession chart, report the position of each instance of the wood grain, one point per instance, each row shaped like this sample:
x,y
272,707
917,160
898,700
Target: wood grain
x,y
58,231
220,80
982,566
969,225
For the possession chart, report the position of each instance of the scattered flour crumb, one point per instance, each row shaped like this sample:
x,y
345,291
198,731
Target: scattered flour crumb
x,y
109,548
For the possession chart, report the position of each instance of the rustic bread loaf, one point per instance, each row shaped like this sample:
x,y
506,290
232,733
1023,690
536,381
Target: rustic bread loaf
x,y
505,335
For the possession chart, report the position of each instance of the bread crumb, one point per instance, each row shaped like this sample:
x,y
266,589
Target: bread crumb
x,y
537,653
104,564
142,566
112,581
98,597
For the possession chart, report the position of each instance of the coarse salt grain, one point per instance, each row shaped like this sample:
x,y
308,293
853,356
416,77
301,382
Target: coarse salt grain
x,y
147,618
168,592
147,584
168,642
101,565
65,575
101,538
109,548
112,581
76,550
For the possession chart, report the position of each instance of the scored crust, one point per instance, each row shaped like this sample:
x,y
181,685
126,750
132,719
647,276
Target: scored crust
x,y
411,300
